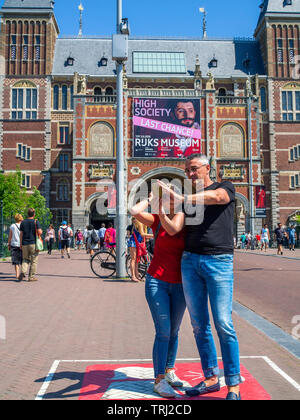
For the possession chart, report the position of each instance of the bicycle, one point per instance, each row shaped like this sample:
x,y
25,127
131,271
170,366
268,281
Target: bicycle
x,y
103,264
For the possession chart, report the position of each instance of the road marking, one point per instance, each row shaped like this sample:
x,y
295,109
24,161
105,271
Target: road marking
x,y
56,363
47,381
282,373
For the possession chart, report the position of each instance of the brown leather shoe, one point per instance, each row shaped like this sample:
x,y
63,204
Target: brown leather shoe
x,y
33,279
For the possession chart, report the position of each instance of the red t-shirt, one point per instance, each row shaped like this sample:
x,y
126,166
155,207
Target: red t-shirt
x,y
166,262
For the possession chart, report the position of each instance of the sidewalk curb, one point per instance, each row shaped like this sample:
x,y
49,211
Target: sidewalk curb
x,y
266,255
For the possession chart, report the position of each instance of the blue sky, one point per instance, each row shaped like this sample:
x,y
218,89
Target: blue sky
x,y
179,18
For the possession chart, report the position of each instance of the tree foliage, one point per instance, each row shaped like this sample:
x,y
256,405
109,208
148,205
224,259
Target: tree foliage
x,y
16,199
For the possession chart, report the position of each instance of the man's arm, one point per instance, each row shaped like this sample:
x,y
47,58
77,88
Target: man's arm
x,y
210,198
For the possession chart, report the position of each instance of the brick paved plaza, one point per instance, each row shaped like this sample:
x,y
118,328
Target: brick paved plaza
x,y
85,323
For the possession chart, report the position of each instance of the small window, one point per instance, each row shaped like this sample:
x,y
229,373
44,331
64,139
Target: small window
x,y
263,99
296,153
64,134
292,181
63,165
297,180
25,181
292,155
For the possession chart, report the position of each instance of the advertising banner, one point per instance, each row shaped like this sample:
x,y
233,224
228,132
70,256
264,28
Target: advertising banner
x,y
260,201
166,128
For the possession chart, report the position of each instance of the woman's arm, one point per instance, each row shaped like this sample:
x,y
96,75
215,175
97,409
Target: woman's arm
x,y
138,211
172,226
9,238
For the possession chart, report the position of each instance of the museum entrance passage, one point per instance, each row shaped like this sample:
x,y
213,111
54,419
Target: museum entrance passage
x,y
96,218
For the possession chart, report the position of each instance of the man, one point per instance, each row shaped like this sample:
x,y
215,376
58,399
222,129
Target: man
x,y
101,234
29,230
207,272
265,237
292,237
64,234
279,235
185,114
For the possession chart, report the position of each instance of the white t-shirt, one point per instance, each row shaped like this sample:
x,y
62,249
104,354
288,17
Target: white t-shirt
x,y
15,230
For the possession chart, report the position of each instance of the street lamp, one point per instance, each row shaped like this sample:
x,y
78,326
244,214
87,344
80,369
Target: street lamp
x,y
120,55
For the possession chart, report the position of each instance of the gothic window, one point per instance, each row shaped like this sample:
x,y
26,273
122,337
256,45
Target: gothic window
x,y
263,99
24,101
56,97
72,97
280,51
64,99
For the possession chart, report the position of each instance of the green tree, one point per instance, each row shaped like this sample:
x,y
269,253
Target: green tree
x,y
13,195
38,202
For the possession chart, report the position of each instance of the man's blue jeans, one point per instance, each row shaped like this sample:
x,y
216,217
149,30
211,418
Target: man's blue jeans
x,y
211,276
167,305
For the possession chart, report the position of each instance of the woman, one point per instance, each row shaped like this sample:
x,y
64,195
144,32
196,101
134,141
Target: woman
x,y
138,233
79,239
110,238
50,238
164,292
92,240
14,244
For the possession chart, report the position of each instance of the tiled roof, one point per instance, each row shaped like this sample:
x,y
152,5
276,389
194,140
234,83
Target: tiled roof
x,y
27,4
231,56
275,7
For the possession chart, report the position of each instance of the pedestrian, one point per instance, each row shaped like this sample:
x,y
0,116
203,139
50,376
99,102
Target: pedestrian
x,y
207,273
292,235
71,234
138,235
78,239
265,237
93,241
279,235
30,230
14,245
110,238
243,241
64,235
164,292
257,237
50,238
85,238
101,234
248,240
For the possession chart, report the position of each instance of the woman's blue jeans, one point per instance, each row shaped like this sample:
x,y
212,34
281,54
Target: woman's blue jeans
x,y
211,276
167,305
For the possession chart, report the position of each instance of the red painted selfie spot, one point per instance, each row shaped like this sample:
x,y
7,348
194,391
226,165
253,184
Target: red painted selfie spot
x,y
135,382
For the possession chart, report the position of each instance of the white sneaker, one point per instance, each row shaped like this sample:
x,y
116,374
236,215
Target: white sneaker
x,y
164,389
172,379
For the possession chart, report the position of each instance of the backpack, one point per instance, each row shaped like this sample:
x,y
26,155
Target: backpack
x,y
65,234
94,237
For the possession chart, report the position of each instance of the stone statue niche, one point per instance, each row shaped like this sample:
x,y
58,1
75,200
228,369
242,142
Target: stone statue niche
x,y
79,84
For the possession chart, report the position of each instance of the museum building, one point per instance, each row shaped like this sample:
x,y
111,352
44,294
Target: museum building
x,y
58,112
